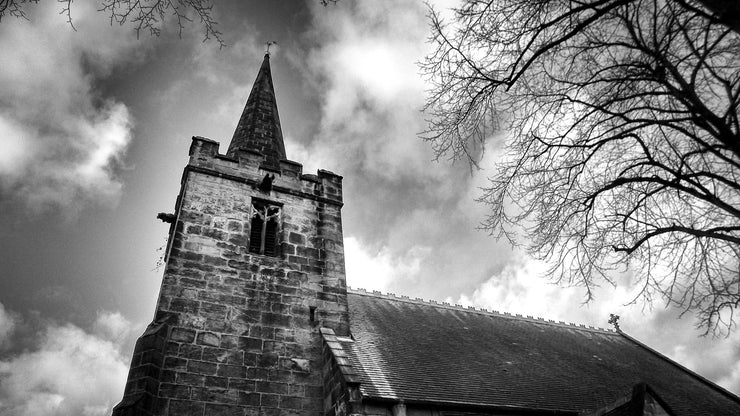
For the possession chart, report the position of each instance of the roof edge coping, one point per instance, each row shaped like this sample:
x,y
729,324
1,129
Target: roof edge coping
x,y
475,406
480,311
349,374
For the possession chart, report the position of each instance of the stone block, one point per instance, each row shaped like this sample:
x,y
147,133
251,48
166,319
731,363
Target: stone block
x,y
216,382
250,344
288,402
280,375
175,363
208,338
275,320
189,351
217,355
190,379
242,385
189,255
269,400
250,359
287,249
229,341
248,398
215,261
273,346
235,357
257,373
295,238
214,233
182,335
198,266
272,387
235,371
223,410
176,391
235,226
298,260
185,407
166,376
267,360
184,305
202,367
152,356
188,282
312,404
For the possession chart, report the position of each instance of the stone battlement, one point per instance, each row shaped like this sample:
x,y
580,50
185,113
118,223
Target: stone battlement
x,y
248,167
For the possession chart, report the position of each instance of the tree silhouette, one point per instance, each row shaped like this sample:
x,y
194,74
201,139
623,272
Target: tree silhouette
x,y
145,16
623,149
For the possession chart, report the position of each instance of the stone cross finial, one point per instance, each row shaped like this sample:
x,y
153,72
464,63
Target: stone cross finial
x,y
614,320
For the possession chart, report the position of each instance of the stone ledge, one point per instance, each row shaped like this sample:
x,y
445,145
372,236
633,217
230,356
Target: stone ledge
x,y
340,356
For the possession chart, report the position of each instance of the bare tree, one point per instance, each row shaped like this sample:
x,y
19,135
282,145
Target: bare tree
x,y
146,16
623,149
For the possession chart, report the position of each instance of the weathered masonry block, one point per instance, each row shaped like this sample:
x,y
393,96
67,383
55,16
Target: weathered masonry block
x,y
236,331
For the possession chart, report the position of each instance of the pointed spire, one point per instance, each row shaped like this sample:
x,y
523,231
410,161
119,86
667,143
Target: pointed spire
x,y
259,126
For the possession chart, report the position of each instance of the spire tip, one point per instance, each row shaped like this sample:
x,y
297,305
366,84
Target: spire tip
x,y
267,50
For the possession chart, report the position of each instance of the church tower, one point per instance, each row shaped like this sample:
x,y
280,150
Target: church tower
x,y
254,269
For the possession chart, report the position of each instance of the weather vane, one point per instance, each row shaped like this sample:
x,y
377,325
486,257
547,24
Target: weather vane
x,y
270,43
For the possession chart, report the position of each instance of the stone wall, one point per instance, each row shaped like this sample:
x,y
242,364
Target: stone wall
x,y
244,337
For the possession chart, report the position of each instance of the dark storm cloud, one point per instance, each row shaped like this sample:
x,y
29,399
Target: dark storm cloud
x,y
61,141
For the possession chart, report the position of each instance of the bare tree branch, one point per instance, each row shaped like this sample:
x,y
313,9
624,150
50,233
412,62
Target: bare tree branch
x,y
147,16
624,140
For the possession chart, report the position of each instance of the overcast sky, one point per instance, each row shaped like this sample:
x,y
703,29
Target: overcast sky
x,y
95,126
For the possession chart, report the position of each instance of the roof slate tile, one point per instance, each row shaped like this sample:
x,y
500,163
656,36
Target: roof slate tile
x,y
424,352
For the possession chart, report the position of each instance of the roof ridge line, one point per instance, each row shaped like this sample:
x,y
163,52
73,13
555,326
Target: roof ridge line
x,y
481,311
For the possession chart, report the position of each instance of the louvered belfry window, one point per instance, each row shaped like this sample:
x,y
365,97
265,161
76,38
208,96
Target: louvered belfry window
x,y
265,227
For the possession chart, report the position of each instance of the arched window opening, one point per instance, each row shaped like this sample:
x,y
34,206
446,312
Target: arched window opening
x,y
264,228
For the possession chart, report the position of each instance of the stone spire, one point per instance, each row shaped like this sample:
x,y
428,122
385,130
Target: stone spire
x,y
259,126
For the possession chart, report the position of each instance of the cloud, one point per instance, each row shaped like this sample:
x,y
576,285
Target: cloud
x,y
70,372
112,326
364,70
520,288
7,325
62,140
375,270
366,74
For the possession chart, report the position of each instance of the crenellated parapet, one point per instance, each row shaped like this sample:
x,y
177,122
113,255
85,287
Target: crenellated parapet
x,y
249,167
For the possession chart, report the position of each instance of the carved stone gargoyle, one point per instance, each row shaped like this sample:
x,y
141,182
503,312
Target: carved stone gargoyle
x,y
266,185
165,217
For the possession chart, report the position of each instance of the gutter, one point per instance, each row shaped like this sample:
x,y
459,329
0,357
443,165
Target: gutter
x,y
399,407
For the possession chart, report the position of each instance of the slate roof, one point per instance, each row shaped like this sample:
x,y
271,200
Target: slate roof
x,y
425,353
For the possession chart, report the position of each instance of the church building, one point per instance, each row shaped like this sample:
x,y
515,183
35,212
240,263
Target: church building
x,y
254,317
